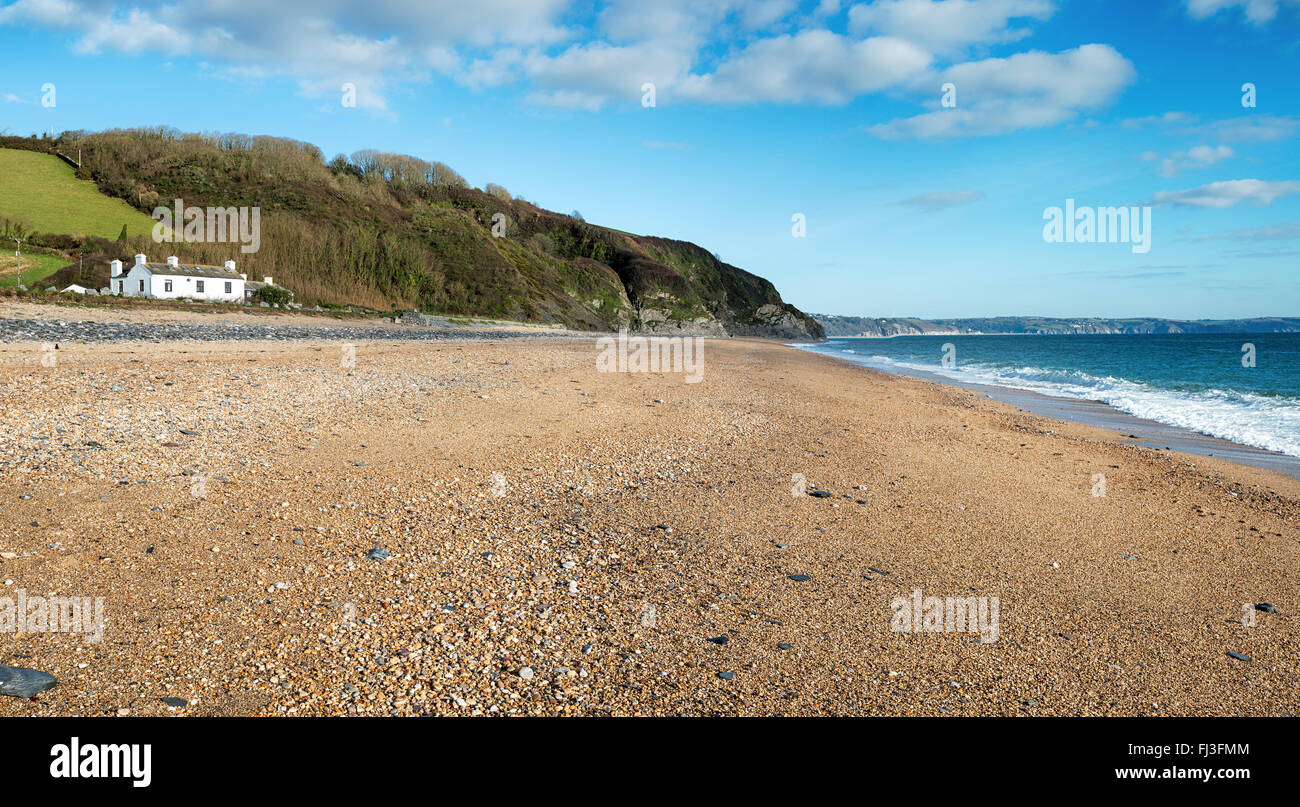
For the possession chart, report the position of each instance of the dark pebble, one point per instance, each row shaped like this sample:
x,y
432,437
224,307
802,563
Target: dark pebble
x,y
783,646
378,553
179,703
799,578
1239,657
18,682
719,640
820,494
726,676
1267,608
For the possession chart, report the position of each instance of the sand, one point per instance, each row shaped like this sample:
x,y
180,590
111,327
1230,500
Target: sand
x,y
568,542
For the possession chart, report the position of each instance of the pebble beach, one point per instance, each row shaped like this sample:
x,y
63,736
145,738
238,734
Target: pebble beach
x,y
490,526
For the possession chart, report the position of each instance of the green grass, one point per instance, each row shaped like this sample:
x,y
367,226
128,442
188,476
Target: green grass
x,y
41,190
35,268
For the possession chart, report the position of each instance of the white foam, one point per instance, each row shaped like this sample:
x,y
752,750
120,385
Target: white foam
x,y
1242,417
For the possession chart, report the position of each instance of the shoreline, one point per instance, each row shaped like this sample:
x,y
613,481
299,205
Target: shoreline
x,y
1141,431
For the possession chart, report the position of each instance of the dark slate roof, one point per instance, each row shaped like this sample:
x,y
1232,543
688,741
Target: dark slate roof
x,y
190,270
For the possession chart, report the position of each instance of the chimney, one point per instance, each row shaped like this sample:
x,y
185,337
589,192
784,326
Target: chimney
x,y
230,265
114,268
173,261
139,259
267,280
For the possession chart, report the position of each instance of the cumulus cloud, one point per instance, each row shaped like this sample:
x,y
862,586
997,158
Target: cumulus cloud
x,y
321,43
813,66
1227,194
1024,91
947,25
567,53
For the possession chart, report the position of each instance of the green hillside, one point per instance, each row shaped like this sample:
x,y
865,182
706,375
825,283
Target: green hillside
x,y
36,267
42,192
389,231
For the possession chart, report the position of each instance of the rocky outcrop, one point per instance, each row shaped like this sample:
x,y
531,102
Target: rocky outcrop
x,y
780,320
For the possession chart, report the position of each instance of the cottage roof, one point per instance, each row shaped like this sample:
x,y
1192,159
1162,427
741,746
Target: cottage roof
x,y
192,270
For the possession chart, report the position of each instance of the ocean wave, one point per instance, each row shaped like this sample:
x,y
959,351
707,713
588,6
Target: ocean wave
x,y
1265,421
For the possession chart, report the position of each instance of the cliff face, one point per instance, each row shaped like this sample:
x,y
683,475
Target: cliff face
x,y
390,232
865,326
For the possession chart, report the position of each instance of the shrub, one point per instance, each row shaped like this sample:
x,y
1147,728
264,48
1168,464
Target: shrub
x,y
275,295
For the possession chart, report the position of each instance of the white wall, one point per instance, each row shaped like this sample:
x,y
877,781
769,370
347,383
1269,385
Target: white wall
x,y
214,288
155,285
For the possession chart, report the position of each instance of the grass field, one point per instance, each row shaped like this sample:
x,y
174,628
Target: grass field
x,y
41,190
35,268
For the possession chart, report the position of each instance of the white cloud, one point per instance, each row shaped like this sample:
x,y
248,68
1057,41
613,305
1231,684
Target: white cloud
x,y
1257,11
813,66
1024,91
1195,157
1227,194
599,71
947,25
1167,118
1280,232
321,43
942,200
1245,129
561,53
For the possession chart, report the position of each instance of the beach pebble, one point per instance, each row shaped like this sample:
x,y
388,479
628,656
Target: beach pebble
x,y
18,682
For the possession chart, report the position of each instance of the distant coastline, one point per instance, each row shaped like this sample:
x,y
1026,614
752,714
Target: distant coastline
x,y
836,325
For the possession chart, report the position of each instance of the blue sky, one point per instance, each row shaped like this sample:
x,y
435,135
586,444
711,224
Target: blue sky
x,y
764,110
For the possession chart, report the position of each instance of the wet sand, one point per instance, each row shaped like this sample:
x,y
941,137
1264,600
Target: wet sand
x,y
1141,431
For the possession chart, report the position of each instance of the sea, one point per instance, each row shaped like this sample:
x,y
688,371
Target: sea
x,y
1244,388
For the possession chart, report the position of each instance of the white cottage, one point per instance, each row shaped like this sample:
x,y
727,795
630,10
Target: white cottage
x,y
173,280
